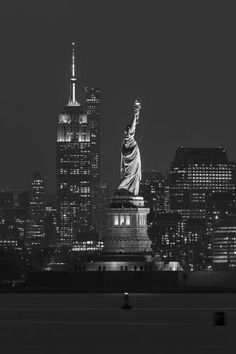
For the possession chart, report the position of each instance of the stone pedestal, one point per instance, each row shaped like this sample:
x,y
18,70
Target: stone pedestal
x,y
126,230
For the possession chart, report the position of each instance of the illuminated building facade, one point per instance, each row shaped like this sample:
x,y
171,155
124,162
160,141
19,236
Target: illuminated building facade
x,y
152,189
102,205
50,221
91,246
77,163
196,244
35,236
224,244
93,110
196,176
166,231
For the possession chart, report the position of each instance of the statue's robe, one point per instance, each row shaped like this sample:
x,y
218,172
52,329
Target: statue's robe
x,y
130,167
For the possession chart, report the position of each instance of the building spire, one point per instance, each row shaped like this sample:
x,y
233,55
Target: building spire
x,y
72,98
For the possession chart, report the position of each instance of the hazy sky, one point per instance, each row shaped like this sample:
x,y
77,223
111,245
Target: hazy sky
x,y
177,57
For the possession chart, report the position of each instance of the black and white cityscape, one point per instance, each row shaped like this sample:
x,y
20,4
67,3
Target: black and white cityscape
x,y
118,177
191,218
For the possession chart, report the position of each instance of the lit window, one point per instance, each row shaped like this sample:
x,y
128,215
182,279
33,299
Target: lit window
x,y
116,220
127,219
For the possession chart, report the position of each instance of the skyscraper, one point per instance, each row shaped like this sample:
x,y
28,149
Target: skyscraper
x,y
93,109
152,189
13,216
77,163
165,233
102,205
224,244
197,177
35,235
50,221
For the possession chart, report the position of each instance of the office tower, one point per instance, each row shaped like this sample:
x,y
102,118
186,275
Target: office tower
x,y
221,204
36,226
88,244
196,177
50,230
77,163
224,244
166,197
93,109
196,244
13,216
102,205
166,233
6,200
8,231
152,189
50,221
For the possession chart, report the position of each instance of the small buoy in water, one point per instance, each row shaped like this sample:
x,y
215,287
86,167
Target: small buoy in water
x,y
126,305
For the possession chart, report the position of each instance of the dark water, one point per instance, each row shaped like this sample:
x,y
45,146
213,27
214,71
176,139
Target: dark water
x,y
85,323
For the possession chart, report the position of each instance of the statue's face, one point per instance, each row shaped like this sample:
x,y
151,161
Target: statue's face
x,y
127,131
127,134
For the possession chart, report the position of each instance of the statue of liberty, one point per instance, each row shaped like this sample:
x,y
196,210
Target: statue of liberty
x,y
130,168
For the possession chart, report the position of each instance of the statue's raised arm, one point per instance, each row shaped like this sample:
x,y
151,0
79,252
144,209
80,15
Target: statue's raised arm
x,y
130,158
137,108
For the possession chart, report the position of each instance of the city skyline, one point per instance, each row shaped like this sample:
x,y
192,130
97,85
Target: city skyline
x,y
178,60
118,178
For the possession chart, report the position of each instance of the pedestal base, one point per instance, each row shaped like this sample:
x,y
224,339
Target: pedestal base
x,y
120,262
126,230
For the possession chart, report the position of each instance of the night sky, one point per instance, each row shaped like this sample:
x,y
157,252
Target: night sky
x,y
177,57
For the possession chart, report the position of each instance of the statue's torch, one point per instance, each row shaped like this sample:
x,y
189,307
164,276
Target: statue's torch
x,y
137,108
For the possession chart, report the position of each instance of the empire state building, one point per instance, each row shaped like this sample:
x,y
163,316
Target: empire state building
x,y
75,176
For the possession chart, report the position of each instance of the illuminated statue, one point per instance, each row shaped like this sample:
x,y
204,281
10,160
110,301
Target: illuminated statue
x,y
130,159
